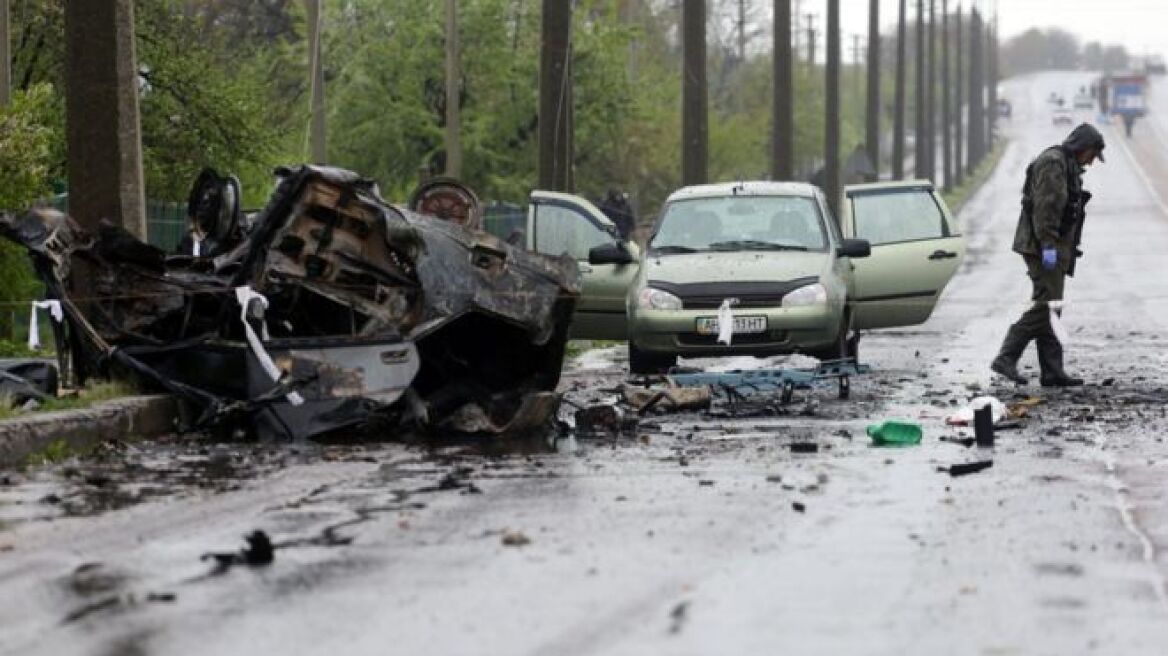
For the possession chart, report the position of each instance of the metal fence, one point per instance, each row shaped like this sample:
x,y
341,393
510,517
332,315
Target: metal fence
x,y
165,220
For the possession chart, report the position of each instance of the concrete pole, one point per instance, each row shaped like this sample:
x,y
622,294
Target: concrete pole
x,y
453,78
873,104
920,163
834,188
931,94
694,103
101,115
317,138
959,114
898,111
783,129
5,56
555,97
946,97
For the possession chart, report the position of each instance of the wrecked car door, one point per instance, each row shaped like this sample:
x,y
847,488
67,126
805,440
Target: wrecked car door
x,y
916,249
565,224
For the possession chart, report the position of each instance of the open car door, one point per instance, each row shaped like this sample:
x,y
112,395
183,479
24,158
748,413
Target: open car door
x,y
916,249
562,223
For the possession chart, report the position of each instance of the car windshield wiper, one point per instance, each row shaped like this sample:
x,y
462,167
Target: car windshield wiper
x,y
674,249
754,245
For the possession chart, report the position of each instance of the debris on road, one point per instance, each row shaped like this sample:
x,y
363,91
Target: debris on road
x,y
515,539
798,506
804,447
605,420
22,381
967,468
983,426
334,310
672,398
895,432
259,551
964,416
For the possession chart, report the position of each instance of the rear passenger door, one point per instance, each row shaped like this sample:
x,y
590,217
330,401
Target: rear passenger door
x,y
916,249
559,224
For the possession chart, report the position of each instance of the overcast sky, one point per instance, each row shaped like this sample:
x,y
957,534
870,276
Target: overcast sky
x,y
1137,24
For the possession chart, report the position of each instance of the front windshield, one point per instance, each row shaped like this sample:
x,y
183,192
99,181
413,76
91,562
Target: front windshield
x,y
740,223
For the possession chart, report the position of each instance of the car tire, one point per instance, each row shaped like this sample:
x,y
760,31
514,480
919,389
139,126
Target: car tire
x,y
847,343
643,362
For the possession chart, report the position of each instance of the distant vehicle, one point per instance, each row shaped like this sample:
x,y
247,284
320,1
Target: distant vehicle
x,y
1127,93
1154,65
1062,116
1084,101
1005,109
1055,99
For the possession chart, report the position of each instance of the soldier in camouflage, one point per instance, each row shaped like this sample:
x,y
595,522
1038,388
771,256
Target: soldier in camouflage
x,y
1047,238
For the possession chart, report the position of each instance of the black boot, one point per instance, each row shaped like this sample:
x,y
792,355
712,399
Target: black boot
x,y
1006,363
1050,360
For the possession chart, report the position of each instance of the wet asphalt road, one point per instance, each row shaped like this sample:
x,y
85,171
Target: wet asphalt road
x,y
692,534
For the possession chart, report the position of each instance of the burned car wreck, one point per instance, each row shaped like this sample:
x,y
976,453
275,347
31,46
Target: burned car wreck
x,y
335,310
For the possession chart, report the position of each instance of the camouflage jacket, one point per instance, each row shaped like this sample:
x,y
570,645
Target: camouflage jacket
x,y
1052,205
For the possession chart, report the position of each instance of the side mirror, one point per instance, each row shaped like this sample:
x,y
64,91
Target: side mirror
x,y
854,248
614,253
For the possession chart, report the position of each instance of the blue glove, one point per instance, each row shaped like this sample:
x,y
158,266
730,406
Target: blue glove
x,y
1049,258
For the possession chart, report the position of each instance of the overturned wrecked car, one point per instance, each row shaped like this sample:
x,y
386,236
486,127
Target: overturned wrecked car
x,y
334,310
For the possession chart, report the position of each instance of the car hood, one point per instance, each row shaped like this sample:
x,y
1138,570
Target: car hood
x,y
736,266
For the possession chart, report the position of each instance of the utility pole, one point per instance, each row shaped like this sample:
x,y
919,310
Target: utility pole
x,y
834,189
316,79
694,103
992,82
898,110
857,62
783,128
555,97
741,32
946,97
104,158
921,164
977,123
959,114
5,57
872,119
931,94
453,84
811,39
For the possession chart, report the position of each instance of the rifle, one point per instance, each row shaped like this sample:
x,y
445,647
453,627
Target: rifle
x,y
1077,237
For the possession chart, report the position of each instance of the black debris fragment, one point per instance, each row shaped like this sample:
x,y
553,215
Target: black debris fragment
x,y
258,552
967,468
798,506
804,447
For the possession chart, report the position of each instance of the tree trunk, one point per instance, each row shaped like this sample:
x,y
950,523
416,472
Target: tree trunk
x,y
977,122
959,117
316,83
920,163
453,79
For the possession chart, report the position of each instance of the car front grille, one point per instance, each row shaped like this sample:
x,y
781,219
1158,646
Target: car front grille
x,y
709,295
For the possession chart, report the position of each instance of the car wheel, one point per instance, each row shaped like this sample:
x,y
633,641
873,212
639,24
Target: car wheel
x,y
846,344
643,362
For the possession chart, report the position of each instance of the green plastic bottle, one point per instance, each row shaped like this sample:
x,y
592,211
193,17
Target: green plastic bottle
x,y
895,432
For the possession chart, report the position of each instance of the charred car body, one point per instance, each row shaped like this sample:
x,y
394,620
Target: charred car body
x,y
336,309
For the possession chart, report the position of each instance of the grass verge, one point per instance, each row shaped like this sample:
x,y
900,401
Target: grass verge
x,y
956,197
94,393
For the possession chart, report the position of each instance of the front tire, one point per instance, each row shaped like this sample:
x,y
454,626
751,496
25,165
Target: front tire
x,y
644,362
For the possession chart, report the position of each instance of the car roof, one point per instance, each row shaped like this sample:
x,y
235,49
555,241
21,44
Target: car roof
x,y
890,184
744,188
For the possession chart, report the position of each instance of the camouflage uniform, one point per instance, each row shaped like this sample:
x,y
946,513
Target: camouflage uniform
x,y
1052,218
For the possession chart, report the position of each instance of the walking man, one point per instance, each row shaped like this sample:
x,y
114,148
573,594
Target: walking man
x,y
1047,237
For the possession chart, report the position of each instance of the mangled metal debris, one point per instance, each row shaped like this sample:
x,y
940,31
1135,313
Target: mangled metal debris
x,y
334,309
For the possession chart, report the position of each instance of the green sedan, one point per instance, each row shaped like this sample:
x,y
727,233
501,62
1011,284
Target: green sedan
x,y
755,268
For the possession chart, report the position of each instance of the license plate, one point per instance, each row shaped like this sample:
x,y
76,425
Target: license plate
x,y
742,325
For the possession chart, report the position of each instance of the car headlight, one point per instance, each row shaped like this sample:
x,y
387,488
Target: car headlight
x,y
807,295
655,299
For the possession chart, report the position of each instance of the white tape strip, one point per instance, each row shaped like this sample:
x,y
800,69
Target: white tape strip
x,y
725,322
34,333
1056,322
245,295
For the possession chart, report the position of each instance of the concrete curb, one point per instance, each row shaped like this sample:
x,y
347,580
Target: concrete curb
x,y
84,428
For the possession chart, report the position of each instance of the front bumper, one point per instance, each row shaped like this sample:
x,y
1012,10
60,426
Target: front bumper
x,y
788,330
